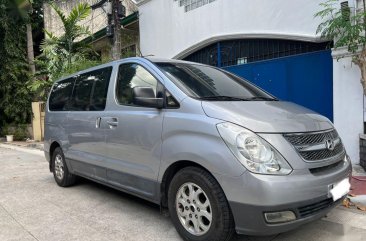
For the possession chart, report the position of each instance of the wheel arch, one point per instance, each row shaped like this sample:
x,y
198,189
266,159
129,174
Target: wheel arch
x,y
170,172
53,147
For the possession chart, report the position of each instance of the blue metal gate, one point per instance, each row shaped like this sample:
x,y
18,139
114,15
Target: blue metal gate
x,y
306,79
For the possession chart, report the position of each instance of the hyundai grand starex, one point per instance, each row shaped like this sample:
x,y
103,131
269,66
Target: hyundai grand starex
x,y
219,153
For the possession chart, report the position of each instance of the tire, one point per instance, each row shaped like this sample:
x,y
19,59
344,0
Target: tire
x,y
60,171
192,217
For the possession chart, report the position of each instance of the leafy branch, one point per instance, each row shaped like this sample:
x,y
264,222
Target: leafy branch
x,y
347,30
65,53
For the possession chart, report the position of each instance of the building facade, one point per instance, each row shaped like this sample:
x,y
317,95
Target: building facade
x,y
186,26
97,22
271,43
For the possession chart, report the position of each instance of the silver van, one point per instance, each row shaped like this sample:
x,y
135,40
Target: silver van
x,y
219,153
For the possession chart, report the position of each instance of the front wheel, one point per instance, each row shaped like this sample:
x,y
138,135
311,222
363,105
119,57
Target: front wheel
x,y
198,206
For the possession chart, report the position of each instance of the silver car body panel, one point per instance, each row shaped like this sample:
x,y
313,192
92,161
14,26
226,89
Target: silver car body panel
x,y
268,116
134,154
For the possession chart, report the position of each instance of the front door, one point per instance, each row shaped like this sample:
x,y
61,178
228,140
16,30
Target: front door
x,y
134,134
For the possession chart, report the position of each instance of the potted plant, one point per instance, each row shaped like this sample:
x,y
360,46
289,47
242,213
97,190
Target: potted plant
x,y
348,30
9,138
9,133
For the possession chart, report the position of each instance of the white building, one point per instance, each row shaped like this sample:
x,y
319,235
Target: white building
x,y
97,22
168,30
190,29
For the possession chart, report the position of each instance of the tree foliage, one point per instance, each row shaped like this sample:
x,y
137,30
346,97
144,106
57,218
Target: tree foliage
x,y
65,54
15,98
62,51
347,30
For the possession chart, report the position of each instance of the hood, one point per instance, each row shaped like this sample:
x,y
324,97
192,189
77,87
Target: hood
x,y
267,116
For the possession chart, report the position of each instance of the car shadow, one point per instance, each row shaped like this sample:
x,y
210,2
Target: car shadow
x,y
319,228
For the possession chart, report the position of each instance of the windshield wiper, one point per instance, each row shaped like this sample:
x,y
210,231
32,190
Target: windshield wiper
x,y
261,98
223,98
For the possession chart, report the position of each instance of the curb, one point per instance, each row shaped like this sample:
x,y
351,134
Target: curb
x,y
31,145
22,149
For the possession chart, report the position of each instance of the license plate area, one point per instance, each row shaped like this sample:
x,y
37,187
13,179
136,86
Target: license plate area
x,y
338,190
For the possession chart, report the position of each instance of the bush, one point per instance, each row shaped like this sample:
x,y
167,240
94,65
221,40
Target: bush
x,y
20,132
7,130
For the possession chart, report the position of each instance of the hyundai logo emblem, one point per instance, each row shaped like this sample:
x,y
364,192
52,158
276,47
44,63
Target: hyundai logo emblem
x,y
329,144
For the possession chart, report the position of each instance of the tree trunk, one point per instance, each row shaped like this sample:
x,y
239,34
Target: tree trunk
x,y
360,61
116,47
30,50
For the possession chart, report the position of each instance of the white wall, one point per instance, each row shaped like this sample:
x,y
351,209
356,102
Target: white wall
x,y
348,102
167,31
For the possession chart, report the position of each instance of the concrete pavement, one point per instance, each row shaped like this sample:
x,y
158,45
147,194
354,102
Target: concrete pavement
x,y
33,207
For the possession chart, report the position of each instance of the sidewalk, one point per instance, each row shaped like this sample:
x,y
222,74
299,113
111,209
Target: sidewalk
x,y
358,171
26,144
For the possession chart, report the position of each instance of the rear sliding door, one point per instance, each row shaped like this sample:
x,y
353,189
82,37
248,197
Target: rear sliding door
x,y
86,132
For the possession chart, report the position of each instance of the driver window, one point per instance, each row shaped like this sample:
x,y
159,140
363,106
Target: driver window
x,y
133,78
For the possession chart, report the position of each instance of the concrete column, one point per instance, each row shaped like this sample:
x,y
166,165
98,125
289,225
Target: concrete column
x,y
348,100
38,120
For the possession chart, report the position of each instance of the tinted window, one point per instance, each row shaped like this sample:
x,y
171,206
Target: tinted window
x,y
61,94
133,78
201,81
90,92
171,102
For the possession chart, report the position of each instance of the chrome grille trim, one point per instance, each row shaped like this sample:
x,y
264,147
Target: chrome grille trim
x,y
314,147
297,139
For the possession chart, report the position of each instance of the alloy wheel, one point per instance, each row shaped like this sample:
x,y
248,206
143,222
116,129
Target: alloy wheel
x,y
194,209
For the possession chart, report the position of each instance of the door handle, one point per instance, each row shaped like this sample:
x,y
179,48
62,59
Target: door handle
x,y
97,122
113,122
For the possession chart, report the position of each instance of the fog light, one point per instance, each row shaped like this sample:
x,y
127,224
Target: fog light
x,y
280,217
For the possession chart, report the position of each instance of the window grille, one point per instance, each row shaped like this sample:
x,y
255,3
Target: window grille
x,y
190,5
234,52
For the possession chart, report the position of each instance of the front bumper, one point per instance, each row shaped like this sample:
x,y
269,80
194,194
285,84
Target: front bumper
x,y
306,194
250,220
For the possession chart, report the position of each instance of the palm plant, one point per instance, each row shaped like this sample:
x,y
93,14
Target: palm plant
x,y
60,52
64,54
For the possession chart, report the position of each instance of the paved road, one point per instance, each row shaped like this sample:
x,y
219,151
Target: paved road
x,y
33,207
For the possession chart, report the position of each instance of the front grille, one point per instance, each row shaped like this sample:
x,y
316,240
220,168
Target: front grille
x,y
313,147
322,154
311,209
311,138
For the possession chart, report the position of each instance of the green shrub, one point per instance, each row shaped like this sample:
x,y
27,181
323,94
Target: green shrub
x,y
7,130
20,132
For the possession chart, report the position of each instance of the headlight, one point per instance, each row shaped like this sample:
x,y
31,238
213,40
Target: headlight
x,y
252,151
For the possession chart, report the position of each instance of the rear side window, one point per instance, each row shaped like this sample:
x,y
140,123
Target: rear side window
x,y
90,92
61,94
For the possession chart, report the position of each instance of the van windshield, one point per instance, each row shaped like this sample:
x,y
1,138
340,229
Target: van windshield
x,y
208,83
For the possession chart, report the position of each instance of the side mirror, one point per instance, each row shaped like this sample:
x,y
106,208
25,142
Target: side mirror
x,y
145,96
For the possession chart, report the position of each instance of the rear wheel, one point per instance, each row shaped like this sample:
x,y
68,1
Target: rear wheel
x,y
61,173
198,206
